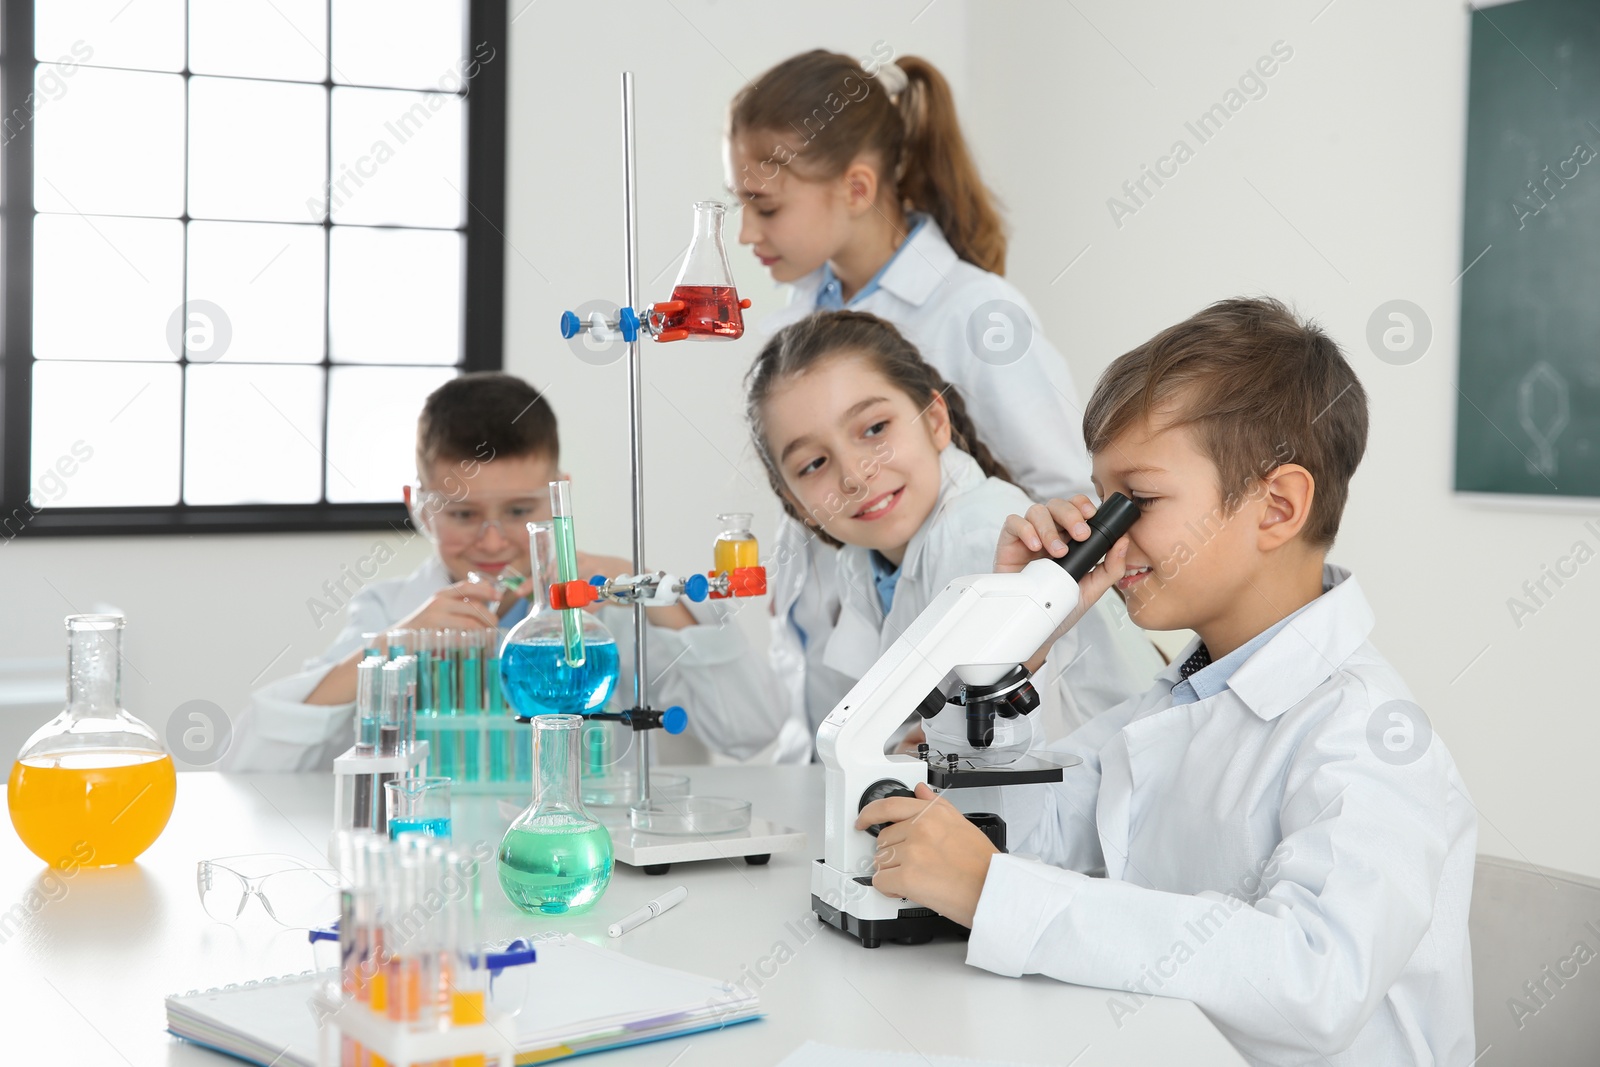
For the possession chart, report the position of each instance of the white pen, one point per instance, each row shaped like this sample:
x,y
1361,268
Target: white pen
x,y
666,901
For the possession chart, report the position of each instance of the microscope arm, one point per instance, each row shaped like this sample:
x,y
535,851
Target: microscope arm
x,y
980,626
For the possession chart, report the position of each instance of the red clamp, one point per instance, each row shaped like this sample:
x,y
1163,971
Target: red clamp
x,y
742,581
573,595
666,309
748,581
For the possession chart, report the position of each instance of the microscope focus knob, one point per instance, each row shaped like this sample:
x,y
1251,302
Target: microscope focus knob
x,y
883,787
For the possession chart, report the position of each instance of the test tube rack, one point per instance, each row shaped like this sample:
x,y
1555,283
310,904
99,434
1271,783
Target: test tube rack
x,y
399,1044
357,794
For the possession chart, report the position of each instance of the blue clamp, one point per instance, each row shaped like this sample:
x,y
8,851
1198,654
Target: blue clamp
x,y
570,324
598,580
674,720
628,322
514,954
696,586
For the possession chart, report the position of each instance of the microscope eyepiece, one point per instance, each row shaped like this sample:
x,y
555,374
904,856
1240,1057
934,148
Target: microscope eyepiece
x,y
1111,520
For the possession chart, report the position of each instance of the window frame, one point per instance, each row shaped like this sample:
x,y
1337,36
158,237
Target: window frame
x,y
483,307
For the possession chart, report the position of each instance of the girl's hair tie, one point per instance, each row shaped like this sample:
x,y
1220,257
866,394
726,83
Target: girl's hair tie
x,y
893,79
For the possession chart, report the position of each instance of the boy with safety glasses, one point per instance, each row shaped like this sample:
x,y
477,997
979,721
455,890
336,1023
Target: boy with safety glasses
x,y
487,450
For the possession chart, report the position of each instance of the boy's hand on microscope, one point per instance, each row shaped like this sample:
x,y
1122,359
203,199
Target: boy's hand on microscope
x,y
930,853
1043,533
463,606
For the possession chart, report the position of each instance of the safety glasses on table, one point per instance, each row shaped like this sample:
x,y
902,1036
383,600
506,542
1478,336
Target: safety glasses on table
x,y
461,519
294,893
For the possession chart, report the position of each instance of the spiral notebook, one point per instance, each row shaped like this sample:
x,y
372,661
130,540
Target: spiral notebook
x,y
579,998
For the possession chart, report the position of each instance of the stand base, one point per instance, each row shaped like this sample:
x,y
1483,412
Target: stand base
x,y
656,853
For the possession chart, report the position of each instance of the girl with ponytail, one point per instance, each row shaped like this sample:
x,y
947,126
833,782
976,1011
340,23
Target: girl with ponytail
x,y
868,446
858,189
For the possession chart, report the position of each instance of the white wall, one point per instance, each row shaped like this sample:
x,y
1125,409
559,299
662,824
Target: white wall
x,y
1338,190
1355,157
207,615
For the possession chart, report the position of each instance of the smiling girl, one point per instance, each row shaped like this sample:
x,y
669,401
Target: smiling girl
x,y
871,449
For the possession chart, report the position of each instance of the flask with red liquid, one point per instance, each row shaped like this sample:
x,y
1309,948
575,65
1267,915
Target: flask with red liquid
x,y
710,306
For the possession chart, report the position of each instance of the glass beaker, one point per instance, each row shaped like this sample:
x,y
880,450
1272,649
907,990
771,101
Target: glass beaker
x,y
736,546
705,284
535,676
418,806
92,787
556,858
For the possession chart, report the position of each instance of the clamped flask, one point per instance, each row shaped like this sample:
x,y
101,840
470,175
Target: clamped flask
x,y
536,674
705,306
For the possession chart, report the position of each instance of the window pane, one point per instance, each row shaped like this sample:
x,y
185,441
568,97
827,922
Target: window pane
x,y
372,429
395,296
253,435
397,158
117,424
105,288
257,150
411,44
111,33
267,282
111,143
259,38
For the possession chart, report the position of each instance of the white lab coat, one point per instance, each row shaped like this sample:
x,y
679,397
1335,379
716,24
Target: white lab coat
x,y
834,627
279,731
1262,858
1026,411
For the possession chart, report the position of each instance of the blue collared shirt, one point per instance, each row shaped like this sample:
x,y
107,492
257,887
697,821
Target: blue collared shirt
x,y
1213,677
830,296
885,576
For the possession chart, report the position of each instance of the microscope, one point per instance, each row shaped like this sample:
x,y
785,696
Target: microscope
x,y
981,628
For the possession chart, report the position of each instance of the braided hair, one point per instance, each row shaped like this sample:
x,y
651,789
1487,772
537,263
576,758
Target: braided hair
x,y
837,334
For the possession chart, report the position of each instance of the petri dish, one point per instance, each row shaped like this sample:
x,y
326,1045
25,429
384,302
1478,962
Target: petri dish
x,y
691,815
609,796
619,790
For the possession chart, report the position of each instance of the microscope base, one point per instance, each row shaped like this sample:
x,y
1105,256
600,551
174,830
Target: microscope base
x,y
913,926
851,904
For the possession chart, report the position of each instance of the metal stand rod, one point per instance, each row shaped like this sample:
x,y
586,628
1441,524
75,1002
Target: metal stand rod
x,y
641,693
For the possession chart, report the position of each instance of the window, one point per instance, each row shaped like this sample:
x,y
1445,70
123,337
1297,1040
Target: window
x,y
243,240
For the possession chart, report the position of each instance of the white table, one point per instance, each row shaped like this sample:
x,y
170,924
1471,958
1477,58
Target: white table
x,y
85,962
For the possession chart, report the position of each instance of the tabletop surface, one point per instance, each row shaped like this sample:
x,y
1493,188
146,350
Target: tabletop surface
x,y
86,960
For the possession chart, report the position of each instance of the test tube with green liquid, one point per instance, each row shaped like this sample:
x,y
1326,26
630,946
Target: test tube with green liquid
x,y
471,703
495,706
566,566
445,697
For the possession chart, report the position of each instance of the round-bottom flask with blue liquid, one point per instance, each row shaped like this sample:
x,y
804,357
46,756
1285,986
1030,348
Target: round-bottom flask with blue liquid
x,y
556,858
539,674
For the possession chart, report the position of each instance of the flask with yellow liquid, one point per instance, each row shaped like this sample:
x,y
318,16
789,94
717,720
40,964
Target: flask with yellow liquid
x,y
93,786
736,546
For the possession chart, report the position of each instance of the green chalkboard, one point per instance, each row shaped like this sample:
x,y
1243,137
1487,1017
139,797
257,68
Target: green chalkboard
x,y
1528,411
